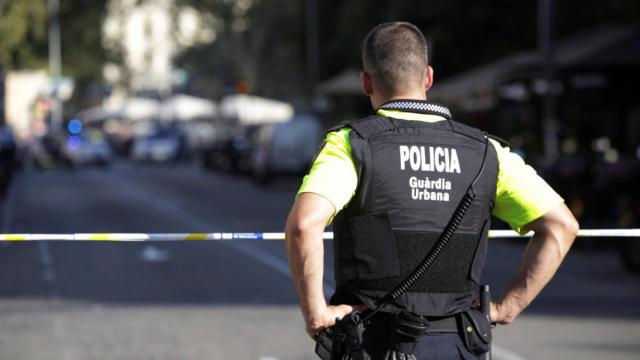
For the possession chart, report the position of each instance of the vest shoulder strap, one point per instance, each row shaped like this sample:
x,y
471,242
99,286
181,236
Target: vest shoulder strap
x,y
468,131
372,125
500,140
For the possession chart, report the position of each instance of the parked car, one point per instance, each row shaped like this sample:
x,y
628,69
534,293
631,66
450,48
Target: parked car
x,y
214,156
285,148
198,134
163,144
89,148
232,149
47,152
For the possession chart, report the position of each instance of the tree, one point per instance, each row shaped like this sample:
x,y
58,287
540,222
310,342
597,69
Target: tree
x,y
23,33
258,41
81,32
24,36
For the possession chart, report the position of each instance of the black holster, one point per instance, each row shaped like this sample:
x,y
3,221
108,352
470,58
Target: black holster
x,y
475,329
408,328
343,341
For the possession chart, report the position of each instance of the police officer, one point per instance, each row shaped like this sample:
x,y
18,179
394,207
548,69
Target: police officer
x,y
390,183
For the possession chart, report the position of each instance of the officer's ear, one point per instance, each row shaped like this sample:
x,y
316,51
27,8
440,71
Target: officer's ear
x,y
365,83
428,78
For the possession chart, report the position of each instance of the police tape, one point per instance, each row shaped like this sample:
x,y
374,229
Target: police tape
x,y
149,237
260,235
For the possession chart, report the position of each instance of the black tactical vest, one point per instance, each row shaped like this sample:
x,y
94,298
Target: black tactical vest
x,y
412,175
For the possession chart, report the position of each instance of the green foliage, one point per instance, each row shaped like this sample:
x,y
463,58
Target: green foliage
x,y
263,45
24,36
23,33
80,30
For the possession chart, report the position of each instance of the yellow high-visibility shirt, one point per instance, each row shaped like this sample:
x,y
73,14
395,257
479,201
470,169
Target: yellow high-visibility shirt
x,y
521,194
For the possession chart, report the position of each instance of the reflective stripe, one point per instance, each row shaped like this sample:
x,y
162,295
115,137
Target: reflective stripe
x,y
111,237
12,237
197,236
99,237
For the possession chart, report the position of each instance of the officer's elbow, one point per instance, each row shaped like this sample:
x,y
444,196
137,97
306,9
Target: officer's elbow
x,y
572,227
308,217
569,229
566,229
299,226
558,227
568,223
294,229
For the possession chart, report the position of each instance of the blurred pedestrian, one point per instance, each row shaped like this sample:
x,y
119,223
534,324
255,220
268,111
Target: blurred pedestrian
x,y
391,183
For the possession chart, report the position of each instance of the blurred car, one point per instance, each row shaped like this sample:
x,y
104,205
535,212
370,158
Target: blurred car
x,y
47,152
231,151
88,149
198,134
285,148
214,155
242,147
164,144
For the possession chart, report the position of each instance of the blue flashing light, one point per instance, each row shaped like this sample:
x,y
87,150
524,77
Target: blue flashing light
x,y
74,126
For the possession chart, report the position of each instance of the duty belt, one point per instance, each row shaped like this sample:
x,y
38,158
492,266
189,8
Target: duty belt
x,y
436,324
442,325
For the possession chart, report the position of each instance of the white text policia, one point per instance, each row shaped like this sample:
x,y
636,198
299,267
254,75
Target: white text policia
x,y
435,158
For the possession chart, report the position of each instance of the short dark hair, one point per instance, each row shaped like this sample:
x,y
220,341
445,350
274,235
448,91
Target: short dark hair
x,y
395,54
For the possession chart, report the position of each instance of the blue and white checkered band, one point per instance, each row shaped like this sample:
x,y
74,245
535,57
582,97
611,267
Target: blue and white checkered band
x,y
417,106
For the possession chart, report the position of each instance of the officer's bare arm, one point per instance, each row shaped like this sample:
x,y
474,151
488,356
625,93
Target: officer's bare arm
x,y
554,233
306,222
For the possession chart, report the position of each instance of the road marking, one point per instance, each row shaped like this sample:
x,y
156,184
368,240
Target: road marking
x,y
48,270
127,187
270,260
152,253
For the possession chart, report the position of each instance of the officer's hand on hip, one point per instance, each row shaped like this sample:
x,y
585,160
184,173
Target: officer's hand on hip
x,y
500,314
327,318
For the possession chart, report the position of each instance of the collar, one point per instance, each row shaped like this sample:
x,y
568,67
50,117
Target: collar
x,y
416,110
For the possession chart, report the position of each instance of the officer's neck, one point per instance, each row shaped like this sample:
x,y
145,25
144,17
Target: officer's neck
x,y
411,95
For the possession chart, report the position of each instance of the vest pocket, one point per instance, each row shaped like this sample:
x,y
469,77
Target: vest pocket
x,y
374,249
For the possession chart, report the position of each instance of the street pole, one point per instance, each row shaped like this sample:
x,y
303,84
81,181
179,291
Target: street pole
x,y
55,62
312,43
546,25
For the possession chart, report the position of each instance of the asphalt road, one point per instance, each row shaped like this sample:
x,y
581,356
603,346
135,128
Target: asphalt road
x,y
235,300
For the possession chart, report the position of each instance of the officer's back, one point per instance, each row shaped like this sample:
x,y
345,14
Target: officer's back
x,y
392,183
